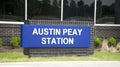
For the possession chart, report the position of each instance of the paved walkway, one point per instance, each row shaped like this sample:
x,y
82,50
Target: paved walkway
x,y
64,64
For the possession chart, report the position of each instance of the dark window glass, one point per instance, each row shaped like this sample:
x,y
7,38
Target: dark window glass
x,y
108,12
79,10
12,10
44,9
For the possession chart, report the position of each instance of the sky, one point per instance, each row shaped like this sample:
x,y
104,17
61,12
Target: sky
x,y
108,2
104,2
86,1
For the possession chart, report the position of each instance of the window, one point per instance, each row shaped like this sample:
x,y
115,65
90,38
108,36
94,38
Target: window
x,y
108,11
44,9
12,10
78,10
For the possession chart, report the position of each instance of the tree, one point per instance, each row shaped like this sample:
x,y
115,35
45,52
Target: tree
x,y
73,8
80,10
99,9
65,3
46,7
59,3
10,8
34,8
55,3
117,12
19,7
2,6
91,10
66,9
80,3
55,9
86,11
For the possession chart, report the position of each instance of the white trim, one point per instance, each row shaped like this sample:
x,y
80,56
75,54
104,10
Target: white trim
x,y
25,9
107,24
95,11
15,22
11,22
61,10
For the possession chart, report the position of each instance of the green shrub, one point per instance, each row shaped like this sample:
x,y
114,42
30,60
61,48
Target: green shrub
x,y
15,42
1,42
112,41
97,41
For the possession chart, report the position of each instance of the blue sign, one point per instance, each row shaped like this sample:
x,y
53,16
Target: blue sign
x,y
54,36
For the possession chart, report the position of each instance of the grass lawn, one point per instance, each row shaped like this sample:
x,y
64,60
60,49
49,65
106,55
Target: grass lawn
x,y
97,56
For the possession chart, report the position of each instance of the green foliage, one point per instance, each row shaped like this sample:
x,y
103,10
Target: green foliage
x,y
97,56
12,55
112,41
1,42
15,41
97,41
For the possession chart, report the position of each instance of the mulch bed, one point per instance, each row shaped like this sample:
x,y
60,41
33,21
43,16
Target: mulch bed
x,y
10,49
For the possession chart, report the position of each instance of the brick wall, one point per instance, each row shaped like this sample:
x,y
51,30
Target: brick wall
x,y
108,31
61,51
7,31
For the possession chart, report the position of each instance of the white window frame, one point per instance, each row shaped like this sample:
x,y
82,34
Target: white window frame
x,y
62,10
95,13
16,22
25,9
11,22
